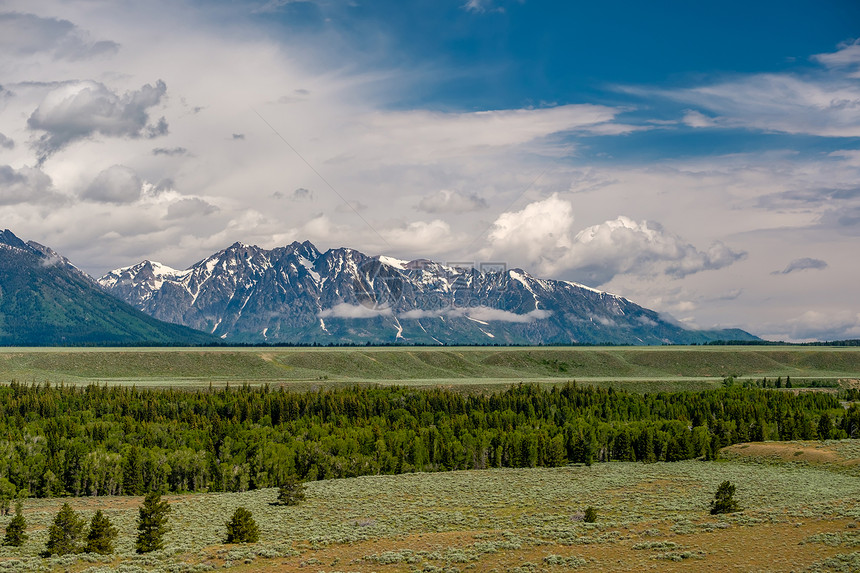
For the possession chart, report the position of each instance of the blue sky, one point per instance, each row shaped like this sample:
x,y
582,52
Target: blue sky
x,y
699,158
516,54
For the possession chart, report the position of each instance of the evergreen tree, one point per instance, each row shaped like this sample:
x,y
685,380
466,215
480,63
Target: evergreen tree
x,y
590,515
7,494
152,523
242,528
101,535
132,472
291,492
724,501
16,530
556,456
825,426
65,533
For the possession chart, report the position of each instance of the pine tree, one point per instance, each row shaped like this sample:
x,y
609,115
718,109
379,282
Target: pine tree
x,y
132,472
242,528
65,533
101,535
825,426
16,530
7,494
152,523
590,515
724,501
291,492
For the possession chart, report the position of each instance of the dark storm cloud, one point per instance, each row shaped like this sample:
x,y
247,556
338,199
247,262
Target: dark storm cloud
x,y
25,185
302,194
299,194
171,151
802,265
78,110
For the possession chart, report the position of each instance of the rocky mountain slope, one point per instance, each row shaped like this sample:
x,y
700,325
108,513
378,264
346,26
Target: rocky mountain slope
x,y
45,300
297,294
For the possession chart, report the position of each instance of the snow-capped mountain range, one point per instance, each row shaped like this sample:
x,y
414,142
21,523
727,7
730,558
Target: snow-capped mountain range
x,y
297,294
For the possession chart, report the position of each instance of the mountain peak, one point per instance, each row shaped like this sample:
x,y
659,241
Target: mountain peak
x,y
7,237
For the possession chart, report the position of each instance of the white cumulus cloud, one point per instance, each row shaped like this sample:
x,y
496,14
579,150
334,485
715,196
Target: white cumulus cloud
x,y
538,234
488,314
346,310
479,313
542,235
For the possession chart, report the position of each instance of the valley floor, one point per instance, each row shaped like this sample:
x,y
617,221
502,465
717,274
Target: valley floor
x,y
470,369
801,512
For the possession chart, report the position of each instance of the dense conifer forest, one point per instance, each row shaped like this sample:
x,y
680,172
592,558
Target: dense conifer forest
x,y
101,440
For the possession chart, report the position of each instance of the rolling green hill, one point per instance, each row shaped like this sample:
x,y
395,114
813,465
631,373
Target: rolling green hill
x,y
44,300
662,368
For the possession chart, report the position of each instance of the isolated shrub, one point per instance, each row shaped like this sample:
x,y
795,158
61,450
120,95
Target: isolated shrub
x,y
590,515
66,533
724,501
242,528
152,523
101,535
16,531
291,491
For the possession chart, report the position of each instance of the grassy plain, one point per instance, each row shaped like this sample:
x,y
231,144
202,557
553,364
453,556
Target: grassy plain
x,y
798,515
801,500
475,368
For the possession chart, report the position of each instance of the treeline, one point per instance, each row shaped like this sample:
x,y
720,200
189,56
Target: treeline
x,y
779,383
838,343
101,440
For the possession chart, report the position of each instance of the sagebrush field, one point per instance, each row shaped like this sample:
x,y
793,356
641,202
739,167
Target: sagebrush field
x,y
797,516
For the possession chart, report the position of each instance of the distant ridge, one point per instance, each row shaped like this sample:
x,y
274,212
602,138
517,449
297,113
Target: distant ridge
x,y
299,295
47,301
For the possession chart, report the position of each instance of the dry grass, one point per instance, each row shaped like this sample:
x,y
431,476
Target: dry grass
x,y
833,453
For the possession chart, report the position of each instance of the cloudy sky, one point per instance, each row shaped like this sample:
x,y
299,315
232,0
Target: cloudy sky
x,y
699,158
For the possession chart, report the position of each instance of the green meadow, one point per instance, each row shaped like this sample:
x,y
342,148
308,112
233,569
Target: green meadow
x,y
634,368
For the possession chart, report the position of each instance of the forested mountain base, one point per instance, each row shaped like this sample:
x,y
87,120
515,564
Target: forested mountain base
x,y
102,440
